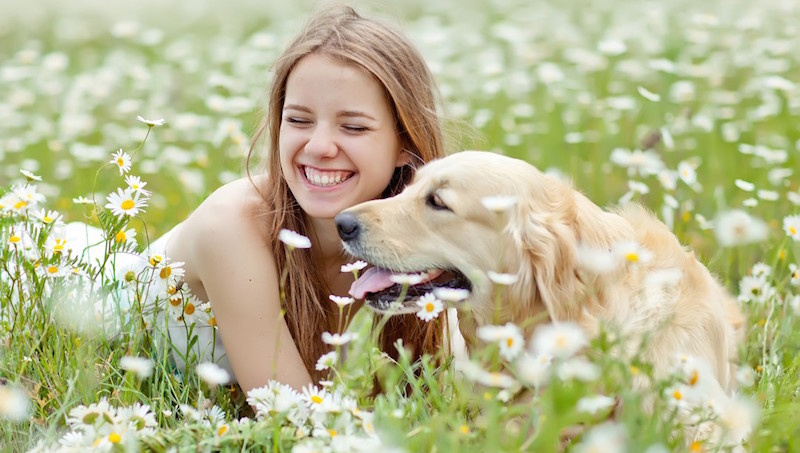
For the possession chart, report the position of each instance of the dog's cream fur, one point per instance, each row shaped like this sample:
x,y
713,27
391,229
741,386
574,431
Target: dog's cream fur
x,y
671,301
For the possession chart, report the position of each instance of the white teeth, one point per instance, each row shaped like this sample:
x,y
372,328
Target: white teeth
x,y
326,179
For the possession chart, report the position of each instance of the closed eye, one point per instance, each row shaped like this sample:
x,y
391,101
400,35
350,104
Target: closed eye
x,y
297,121
355,129
436,202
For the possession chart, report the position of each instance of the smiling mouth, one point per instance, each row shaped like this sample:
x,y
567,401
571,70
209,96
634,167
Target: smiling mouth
x,y
320,178
381,291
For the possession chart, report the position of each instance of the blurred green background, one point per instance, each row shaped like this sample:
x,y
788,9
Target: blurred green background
x,y
559,83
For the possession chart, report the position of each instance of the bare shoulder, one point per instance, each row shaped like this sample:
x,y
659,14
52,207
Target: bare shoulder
x,y
228,226
229,214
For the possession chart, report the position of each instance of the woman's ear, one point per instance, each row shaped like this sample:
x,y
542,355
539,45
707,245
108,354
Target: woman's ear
x,y
404,158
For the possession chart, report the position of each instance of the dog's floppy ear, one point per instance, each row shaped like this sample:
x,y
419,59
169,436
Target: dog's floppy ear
x,y
543,229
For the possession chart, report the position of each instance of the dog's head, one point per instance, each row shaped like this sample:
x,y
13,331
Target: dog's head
x,y
440,226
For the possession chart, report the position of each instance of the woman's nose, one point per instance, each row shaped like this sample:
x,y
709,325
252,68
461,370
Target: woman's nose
x,y
321,143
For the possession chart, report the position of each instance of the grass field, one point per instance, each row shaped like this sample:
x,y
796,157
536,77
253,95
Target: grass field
x,y
692,109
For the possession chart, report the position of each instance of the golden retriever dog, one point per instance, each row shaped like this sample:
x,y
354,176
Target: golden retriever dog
x,y
572,260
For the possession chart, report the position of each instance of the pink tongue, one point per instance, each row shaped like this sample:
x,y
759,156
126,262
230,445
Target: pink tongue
x,y
376,279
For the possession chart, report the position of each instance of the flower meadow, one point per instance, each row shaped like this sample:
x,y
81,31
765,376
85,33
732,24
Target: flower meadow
x,y
125,116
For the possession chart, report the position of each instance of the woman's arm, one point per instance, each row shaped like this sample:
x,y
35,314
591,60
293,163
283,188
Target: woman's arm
x,y
240,278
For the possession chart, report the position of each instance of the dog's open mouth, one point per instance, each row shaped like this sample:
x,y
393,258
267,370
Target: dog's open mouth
x,y
382,289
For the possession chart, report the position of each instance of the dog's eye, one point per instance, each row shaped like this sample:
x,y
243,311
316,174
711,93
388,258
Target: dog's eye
x,y
435,201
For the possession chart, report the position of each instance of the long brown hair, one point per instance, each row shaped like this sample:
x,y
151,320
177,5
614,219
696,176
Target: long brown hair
x,y
341,33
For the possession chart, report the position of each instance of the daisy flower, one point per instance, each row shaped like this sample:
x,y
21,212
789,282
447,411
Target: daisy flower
x,y
125,203
294,240
737,227
213,374
608,437
451,294
141,366
151,123
499,203
136,184
327,360
744,185
647,94
314,396
687,173
578,368
408,279
48,217
56,245
341,301
632,252
82,200
336,339
122,160
14,403
791,225
534,370
54,270
30,176
637,162
354,267
502,279
595,404
795,274
430,307
560,340
596,261
508,337
125,236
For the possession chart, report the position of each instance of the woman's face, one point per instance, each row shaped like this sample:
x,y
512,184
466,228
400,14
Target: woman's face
x,y
338,142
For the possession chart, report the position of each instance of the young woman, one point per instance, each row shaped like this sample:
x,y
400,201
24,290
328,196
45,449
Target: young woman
x,y
352,111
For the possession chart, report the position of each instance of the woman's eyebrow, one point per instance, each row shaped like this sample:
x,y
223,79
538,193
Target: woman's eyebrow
x,y
301,108
355,113
342,113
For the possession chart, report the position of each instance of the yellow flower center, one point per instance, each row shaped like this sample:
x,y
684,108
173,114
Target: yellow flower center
x,y
782,254
316,399
561,342
120,161
189,308
166,271
155,259
120,237
696,446
634,370
222,430
792,230
127,204
509,342
52,269
429,307
176,302
97,442
47,219
20,204
332,432
632,257
59,245
212,321
114,438
694,378
130,276
677,395
464,429
14,239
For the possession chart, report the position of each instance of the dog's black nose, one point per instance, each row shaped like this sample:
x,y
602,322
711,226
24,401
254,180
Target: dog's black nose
x,y
347,225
